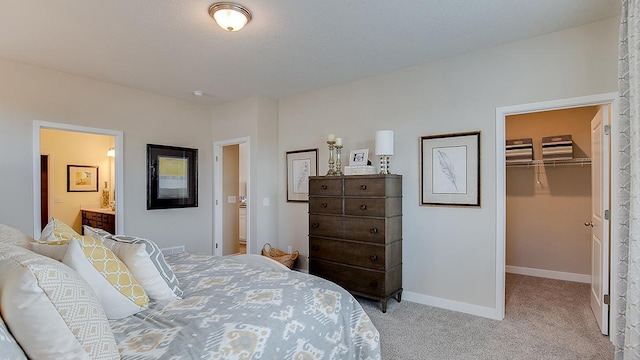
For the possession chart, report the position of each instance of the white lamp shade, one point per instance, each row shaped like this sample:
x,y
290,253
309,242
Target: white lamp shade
x,y
384,142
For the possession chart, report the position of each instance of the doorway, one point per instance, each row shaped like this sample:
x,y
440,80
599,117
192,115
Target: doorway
x,y
232,195
501,114
56,187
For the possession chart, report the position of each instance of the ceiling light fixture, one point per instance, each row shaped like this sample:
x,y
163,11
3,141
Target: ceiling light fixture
x,y
230,16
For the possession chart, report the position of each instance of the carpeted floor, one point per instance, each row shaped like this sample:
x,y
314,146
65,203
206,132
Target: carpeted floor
x,y
545,319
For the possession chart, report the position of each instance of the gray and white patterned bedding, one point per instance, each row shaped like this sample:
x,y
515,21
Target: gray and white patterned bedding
x,y
243,310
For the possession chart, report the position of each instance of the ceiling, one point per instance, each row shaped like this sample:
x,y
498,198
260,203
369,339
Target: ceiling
x,y
172,47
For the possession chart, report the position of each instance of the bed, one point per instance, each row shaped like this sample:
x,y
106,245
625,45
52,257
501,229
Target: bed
x,y
248,307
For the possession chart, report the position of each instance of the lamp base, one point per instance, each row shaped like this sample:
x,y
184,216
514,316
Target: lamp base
x,y
384,164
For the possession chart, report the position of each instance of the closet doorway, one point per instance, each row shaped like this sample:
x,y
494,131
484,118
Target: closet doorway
x,y
545,205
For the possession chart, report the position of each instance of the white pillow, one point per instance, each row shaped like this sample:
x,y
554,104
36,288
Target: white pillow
x,y
51,311
117,289
9,235
9,348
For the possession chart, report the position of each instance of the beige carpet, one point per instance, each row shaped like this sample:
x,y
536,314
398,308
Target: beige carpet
x,y
545,319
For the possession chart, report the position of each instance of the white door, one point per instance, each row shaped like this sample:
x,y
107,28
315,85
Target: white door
x,y
600,222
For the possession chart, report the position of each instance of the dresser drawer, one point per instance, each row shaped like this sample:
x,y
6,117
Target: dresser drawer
x,y
368,282
324,186
378,207
364,187
364,255
323,225
325,205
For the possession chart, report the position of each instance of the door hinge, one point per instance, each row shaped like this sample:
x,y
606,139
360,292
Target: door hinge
x,y
216,202
607,214
607,129
606,299
216,158
217,247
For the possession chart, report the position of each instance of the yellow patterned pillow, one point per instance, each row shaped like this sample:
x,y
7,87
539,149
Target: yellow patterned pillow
x,y
54,240
118,291
57,233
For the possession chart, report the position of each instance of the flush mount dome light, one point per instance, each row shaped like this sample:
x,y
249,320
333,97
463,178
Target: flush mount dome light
x,y
230,16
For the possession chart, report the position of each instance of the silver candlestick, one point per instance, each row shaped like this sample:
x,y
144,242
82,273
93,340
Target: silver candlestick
x,y
338,160
332,170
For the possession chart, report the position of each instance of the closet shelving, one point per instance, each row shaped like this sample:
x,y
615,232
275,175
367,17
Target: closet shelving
x,y
551,163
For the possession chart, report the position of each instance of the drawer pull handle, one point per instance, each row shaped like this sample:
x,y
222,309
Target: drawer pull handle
x,y
373,284
373,257
363,187
316,247
315,225
374,230
324,187
363,207
324,205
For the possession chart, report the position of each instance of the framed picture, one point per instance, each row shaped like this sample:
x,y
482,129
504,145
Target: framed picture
x,y
300,165
450,173
359,157
82,178
172,177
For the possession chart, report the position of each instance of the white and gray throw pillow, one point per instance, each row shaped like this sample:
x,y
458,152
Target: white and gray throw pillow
x,y
145,261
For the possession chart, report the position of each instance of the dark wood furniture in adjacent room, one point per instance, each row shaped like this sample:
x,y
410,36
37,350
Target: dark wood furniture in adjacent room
x,y
104,219
355,233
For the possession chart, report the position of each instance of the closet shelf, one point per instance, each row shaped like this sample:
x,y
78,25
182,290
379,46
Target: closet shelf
x,y
552,163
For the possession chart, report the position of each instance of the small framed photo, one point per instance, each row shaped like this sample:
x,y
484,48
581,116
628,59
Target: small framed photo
x,y
359,157
82,178
172,177
300,165
450,169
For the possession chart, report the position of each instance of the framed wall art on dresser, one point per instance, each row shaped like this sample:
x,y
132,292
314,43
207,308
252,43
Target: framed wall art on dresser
x,y
300,165
355,233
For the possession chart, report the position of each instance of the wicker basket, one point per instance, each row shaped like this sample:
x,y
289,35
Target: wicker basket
x,y
280,256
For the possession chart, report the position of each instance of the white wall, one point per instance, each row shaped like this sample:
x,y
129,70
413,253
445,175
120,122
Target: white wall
x,y
449,253
29,93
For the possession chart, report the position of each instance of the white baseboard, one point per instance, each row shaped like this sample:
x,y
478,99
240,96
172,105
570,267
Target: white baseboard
x,y
549,274
173,250
482,311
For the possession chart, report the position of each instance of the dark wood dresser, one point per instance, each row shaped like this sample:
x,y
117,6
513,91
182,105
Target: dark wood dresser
x,y
355,233
100,218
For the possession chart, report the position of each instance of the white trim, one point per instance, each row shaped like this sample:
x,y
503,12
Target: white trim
x,y
217,191
501,113
451,305
549,274
118,135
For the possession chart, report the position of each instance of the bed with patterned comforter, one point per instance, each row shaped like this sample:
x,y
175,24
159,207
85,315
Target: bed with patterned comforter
x,y
244,308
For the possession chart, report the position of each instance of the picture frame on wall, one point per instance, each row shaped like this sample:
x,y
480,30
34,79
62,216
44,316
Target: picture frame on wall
x,y
450,169
172,177
82,178
300,165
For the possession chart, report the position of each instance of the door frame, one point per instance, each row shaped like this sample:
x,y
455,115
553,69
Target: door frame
x,y
118,140
501,114
218,168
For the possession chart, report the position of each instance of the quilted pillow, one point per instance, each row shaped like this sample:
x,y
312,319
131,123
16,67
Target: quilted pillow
x,y
51,311
9,348
146,262
9,235
54,240
117,289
